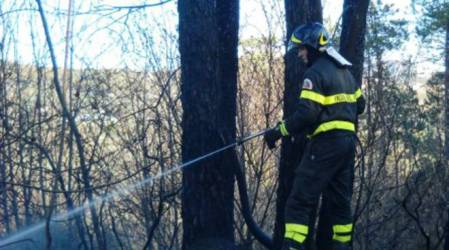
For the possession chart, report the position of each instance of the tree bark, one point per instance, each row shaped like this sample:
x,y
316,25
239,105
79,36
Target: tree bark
x,y
208,33
352,40
297,13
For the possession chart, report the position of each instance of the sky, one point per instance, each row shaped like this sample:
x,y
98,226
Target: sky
x,y
100,42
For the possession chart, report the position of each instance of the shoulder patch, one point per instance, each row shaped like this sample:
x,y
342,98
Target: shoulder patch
x,y
307,84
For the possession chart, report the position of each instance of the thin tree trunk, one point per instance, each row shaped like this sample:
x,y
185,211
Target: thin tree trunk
x,y
446,128
9,157
28,195
21,145
49,212
3,162
74,131
4,201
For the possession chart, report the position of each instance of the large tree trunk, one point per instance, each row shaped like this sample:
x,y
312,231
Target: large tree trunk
x,y
297,13
352,40
208,33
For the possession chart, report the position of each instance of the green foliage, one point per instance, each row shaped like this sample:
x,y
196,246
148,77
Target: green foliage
x,y
434,18
385,32
433,113
403,145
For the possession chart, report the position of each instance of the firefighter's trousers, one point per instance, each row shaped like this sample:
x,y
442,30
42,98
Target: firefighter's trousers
x,y
327,167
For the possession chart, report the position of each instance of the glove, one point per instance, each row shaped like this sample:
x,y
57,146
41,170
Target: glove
x,y
271,136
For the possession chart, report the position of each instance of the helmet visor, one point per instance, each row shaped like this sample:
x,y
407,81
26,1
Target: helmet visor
x,y
294,43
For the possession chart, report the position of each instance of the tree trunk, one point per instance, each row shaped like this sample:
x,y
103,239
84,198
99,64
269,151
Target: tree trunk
x,y
297,13
14,211
4,195
85,172
3,162
208,33
446,127
353,33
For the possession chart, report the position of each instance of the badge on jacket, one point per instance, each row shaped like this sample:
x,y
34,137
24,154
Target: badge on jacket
x,y
307,84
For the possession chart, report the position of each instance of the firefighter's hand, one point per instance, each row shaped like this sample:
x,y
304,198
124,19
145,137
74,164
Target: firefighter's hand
x,y
271,136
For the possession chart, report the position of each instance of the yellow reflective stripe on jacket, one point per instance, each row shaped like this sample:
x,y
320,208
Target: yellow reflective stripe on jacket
x,y
343,125
332,99
283,129
296,232
342,228
313,96
342,238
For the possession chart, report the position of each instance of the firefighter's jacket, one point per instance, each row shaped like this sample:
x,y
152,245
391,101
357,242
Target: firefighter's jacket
x,y
330,99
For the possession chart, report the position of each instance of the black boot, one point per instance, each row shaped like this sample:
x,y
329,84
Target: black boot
x,y
292,245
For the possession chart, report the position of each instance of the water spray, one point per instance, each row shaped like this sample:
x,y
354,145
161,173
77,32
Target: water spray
x,y
18,236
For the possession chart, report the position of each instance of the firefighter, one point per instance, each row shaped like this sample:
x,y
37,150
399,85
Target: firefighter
x,y
328,105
